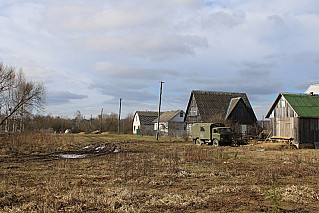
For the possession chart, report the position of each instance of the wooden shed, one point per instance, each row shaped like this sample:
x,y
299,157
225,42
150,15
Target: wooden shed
x,y
296,116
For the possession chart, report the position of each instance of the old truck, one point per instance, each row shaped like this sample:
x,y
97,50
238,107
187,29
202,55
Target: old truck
x,y
212,133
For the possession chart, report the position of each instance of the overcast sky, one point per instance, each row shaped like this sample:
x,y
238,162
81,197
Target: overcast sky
x,y
91,53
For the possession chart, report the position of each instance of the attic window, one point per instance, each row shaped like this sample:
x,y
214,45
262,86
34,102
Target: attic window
x,y
193,111
283,104
181,114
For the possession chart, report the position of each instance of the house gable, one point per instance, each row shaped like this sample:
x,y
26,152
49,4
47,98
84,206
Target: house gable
x,y
238,112
170,115
192,113
179,117
212,106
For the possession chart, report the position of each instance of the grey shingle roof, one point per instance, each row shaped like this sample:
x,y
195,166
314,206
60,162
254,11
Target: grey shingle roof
x,y
212,103
167,116
147,117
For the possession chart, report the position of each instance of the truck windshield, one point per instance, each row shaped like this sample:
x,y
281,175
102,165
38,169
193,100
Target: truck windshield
x,y
223,130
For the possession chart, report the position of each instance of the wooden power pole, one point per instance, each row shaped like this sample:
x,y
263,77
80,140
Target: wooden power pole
x,y
119,126
159,111
101,119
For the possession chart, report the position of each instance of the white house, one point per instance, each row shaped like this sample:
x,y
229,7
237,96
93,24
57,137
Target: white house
x,y
313,89
143,122
171,123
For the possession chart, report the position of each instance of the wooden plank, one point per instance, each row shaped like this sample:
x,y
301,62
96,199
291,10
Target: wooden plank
x,y
281,138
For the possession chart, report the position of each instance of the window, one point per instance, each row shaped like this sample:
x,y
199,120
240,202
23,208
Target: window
x,y
193,111
202,129
283,103
181,114
134,128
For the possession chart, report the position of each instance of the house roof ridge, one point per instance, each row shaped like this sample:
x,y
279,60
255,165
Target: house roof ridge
x,y
168,115
221,92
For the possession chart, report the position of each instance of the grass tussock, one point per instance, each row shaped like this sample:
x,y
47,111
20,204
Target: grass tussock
x,y
150,176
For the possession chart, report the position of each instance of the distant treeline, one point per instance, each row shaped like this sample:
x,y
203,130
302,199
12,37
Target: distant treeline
x,y
56,124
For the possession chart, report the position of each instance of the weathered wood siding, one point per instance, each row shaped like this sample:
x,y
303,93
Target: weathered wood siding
x,y
284,121
193,114
241,115
308,130
284,127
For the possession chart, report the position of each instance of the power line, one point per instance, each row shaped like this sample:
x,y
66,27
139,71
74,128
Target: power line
x,y
177,102
171,104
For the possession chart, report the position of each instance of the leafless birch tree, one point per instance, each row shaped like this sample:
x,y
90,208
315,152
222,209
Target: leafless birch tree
x,y
18,95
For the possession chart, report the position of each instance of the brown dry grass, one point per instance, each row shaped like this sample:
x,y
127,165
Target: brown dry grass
x,y
150,176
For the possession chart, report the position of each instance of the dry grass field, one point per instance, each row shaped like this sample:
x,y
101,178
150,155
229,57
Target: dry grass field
x,y
109,173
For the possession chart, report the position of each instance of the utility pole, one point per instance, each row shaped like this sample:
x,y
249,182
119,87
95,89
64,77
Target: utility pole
x,y
159,111
101,119
119,130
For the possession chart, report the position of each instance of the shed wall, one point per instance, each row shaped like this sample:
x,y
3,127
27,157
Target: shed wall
x,y
308,130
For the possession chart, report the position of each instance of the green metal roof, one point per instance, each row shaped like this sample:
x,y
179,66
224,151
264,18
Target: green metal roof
x,y
304,105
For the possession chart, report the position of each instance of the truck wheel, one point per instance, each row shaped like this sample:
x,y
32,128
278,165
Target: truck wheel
x,y
198,142
215,142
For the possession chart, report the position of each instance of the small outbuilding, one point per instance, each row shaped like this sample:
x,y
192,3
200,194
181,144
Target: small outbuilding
x,y
295,116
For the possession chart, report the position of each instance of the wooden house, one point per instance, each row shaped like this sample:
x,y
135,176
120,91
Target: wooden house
x,y
171,123
222,107
296,116
143,122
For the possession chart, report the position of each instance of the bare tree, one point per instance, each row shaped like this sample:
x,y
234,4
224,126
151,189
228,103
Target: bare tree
x,y
18,95
78,118
7,75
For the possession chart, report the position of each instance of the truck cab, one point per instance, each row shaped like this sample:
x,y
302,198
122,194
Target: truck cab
x,y
212,133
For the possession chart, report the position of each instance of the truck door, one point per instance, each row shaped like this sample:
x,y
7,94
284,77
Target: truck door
x,y
201,132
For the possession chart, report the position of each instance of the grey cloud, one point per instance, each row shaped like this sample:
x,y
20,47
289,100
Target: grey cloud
x,y
224,19
303,86
147,46
260,99
254,70
63,97
235,84
99,16
276,20
125,89
254,78
122,71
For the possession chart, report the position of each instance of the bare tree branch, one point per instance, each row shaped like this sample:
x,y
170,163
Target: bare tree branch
x,y
19,94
